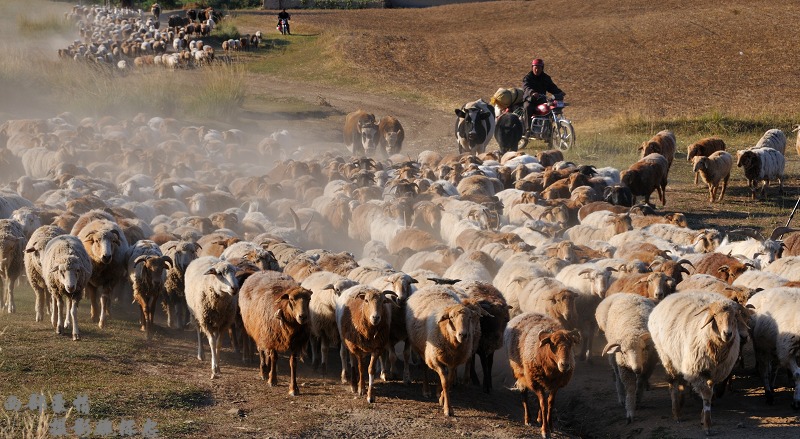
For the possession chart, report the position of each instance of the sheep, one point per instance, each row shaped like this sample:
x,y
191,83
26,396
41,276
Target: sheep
x,y
492,327
107,247
550,157
697,336
656,286
672,268
700,240
645,176
662,143
275,313
797,143
540,353
12,245
254,253
753,279
645,252
762,164
182,253
66,269
147,271
773,138
325,287
723,267
33,265
547,296
473,265
704,148
786,267
443,331
211,289
775,334
714,169
631,352
364,320
590,283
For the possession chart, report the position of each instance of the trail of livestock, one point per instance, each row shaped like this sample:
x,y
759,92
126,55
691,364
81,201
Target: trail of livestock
x,y
502,274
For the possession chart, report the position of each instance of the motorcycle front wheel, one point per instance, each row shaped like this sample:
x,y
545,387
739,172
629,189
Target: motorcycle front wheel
x,y
563,137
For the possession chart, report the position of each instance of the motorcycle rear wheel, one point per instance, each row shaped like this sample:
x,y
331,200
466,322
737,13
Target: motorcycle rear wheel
x,y
563,137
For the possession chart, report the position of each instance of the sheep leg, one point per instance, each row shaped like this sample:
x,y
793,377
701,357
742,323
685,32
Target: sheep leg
x,y
200,355
525,407
540,417
676,395
724,187
406,362
91,291
695,178
487,361
151,310
272,380
628,380
617,379
142,315
355,364
361,374
315,351
262,365
294,390
371,372
444,397
706,392
73,311
10,295
426,391
794,371
213,344
40,304
234,339
343,356
54,312
103,309
59,312
551,398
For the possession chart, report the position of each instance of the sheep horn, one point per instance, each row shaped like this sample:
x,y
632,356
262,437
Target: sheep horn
x,y
296,219
139,260
755,234
168,261
780,231
584,271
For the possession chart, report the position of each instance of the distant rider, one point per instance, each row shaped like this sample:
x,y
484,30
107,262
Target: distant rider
x,y
535,85
283,15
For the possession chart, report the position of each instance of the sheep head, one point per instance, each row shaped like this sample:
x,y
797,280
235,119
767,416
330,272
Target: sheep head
x,y
293,305
631,350
373,301
562,306
723,319
560,343
457,322
225,274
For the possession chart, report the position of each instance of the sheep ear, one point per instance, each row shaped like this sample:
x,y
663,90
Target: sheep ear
x,y
362,295
611,348
279,315
544,338
30,250
575,336
444,318
282,298
724,269
483,310
391,296
212,270
329,287
413,281
646,337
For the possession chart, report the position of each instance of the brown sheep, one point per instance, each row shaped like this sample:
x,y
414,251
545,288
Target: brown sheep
x,y
656,286
541,354
642,251
715,170
662,143
550,157
275,314
214,244
364,318
645,176
107,248
339,263
673,269
723,267
704,148
301,267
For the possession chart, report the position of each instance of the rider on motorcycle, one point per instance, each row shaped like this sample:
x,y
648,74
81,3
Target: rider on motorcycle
x,y
536,84
283,15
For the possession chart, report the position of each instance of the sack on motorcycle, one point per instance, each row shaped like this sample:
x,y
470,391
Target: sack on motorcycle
x,y
506,97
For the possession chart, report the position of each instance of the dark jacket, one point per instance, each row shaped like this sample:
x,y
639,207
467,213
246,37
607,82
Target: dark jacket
x,y
284,14
542,85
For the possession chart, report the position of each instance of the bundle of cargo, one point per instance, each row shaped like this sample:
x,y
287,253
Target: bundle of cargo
x,y
505,98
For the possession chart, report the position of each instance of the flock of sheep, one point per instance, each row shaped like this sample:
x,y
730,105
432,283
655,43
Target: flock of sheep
x,y
453,255
125,38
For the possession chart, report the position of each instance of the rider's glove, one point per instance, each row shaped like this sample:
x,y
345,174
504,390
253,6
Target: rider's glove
x,y
535,96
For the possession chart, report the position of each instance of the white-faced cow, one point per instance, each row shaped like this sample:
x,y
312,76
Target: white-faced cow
x,y
474,126
361,133
391,135
508,132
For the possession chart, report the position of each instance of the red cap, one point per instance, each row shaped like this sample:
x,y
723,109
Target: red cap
x,y
537,62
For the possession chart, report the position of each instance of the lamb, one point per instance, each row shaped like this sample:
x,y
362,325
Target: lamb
x,y
540,353
631,352
443,331
182,253
775,334
107,247
364,320
66,269
645,176
762,164
12,244
325,287
147,271
33,265
692,349
704,148
773,138
275,313
662,143
714,169
492,327
211,288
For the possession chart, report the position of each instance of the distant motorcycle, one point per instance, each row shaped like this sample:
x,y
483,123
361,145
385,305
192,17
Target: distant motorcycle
x,y
549,124
283,26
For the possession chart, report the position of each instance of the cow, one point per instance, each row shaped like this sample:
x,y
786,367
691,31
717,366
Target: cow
x,y
361,133
391,135
508,132
474,126
155,10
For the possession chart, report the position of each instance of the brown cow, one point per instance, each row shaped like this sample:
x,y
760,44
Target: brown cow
x,y
361,133
391,135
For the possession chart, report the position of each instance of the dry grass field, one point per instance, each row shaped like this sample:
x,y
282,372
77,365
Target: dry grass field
x,y
629,70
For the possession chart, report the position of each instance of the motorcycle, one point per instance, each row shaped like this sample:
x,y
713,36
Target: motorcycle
x,y
283,26
549,124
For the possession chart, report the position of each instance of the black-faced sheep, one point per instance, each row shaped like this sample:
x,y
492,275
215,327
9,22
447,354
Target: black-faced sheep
x,y
147,272
211,288
762,164
66,269
540,353
33,265
275,313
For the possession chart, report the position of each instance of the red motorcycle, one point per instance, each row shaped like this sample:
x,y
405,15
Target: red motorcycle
x,y
283,26
549,124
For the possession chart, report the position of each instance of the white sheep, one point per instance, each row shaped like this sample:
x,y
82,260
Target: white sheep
x,y
631,352
211,287
715,170
591,284
757,247
773,138
12,244
753,279
787,267
33,265
66,269
697,338
776,330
